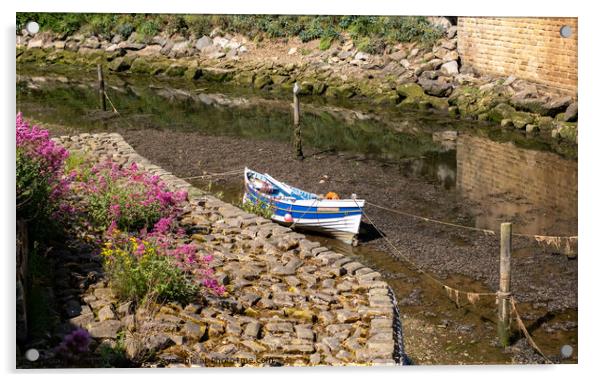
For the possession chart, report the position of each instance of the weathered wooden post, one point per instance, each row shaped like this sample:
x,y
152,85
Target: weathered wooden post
x,y
101,88
298,150
504,292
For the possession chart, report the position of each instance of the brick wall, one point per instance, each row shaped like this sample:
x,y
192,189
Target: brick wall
x,y
528,48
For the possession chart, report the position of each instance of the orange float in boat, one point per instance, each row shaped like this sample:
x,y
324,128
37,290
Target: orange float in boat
x,y
332,196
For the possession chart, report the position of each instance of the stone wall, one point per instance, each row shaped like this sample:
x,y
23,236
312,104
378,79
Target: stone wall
x,y
528,48
290,301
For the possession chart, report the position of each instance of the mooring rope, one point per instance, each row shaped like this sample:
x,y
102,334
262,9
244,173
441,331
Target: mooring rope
x,y
115,109
472,297
226,173
539,238
525,332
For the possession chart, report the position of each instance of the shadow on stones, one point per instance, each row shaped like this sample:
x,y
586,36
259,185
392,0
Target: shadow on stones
x,y
368,233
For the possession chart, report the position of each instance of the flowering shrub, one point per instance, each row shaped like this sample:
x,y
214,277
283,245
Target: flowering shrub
x,y
132,211
137,270
127,197
39,172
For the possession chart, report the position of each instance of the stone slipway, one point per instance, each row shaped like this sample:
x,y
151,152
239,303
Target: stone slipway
x,y
290,301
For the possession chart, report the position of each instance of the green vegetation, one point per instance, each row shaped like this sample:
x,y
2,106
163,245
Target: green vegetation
x,y
139,272
261,209
372,32
114,356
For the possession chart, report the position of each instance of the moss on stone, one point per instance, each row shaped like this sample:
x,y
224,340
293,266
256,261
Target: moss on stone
x,y
121,64
193,73
319,88
244,78
390,98
218,74
341,91
261,81
453,111
500,112
175,70
545,123
141,66
520,119
410,90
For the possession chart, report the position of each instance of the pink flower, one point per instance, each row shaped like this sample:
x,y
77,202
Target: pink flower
x,y
115,210
163,226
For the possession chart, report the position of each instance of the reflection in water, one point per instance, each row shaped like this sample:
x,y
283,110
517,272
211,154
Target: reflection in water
x,y
534,189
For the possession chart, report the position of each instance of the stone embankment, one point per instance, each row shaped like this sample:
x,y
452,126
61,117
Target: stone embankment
x,y
406,76
289,300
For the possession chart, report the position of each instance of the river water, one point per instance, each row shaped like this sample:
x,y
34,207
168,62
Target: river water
x,y
532,183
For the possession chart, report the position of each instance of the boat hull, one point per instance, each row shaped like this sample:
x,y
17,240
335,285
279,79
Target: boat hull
x,y
336,218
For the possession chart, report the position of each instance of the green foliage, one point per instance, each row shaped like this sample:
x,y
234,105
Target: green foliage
x,y
370,45
379,29
261,208
114,356
138,272
124,29
325,43
33,189
176,24
65,23
407,29
147,29
79,163
102,25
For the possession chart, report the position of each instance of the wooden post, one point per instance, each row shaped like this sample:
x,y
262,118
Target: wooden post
x,y
298,150
504,292
101,88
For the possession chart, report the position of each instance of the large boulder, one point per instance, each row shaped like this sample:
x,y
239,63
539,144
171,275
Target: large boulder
x,y
410,90
500,112
450,68
521,119
121,64
570,115
91,42
435,88
179,49
341,91
540,106
433,64
150,50
218,74
203,42
129,45
105,329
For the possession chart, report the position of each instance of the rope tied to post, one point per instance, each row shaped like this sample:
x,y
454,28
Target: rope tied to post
x,y
560,243
454,294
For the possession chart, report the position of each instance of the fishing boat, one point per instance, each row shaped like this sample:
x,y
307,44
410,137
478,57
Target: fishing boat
x,y
298,209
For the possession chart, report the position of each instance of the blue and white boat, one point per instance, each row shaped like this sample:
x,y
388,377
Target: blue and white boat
x,y
339,218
